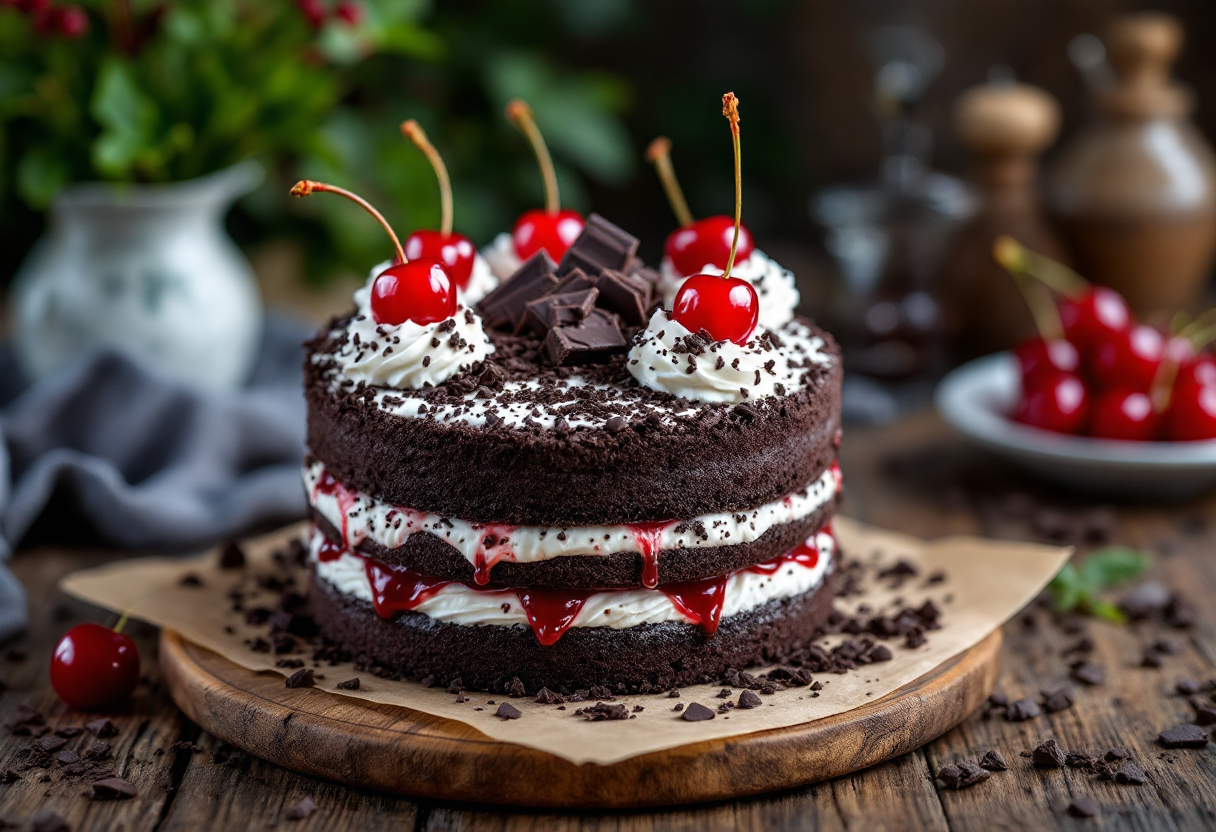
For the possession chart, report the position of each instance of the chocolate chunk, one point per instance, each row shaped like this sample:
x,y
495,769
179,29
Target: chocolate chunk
x,y
625,295
1088,673
879,653
504,307
515,688
1186,687
748,700
1205,716
950,776
7,775
1058,700
190,580
547,697
1144,599
971,774
103,729
1152,658
349,684
69,731
508,711
1116,753
1130,774
99,750
232,556
1048,755
597,337
303,808
559,309
1186,735
696,712
48,821
113,788
1022,710
601,245
994,761
1083,807
51,744
575,282
301,679
602,711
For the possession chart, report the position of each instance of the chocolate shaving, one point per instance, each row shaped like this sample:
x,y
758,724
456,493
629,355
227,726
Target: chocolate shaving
x,y
600,246
504,307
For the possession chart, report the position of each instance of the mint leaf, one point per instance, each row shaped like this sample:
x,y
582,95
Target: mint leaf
x,y
1080,588
1113,566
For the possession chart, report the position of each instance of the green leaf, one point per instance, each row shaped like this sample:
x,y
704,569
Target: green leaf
x,y
1066,589
1101,608
1113,566
40,174
127,116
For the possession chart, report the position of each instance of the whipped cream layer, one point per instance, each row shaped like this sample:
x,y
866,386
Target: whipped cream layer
x,y
774,284
408,355
666,356
359,517
456,603
501,257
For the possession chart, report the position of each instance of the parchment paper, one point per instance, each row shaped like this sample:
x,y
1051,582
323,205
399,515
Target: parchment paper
x,y
987,582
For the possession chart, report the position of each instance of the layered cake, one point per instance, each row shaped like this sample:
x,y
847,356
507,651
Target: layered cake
x,y
571,484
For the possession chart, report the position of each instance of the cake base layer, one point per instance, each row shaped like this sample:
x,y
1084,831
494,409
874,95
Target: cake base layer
x,y
431,555
647,657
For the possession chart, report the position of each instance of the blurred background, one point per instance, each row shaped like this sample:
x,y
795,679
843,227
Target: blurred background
x,y
859,93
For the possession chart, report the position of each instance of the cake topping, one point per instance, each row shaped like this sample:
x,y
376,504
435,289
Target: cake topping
x,y
581,341
418,291
553,229
454,251
504,307
725,307
601,245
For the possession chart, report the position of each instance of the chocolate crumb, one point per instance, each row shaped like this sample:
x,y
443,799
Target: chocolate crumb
x,y
1083,807
103,729
1186,687
508,711
994,761
679,706
547,697
349,684
1058,700
749,700
113,788
602,711
696,712
1049,755
300,679
1130,774
48,821
232,556
1115,753
190,580
515,688
1022,710
1088,673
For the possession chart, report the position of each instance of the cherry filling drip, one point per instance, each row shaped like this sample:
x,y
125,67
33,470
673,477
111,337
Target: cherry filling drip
x,y
552,611
326,484
649,537
494,545
837,475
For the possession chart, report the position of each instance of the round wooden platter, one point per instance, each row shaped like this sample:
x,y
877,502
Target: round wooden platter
x,y
393,749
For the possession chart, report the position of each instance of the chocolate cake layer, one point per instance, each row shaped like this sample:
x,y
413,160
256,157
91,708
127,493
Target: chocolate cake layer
x,y
637,467
430,555
482,657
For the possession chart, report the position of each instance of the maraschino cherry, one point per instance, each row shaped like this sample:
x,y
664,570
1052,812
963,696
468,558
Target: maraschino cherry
x,y
94,667
1060,403
1192,413
552,229
696,243
455,251
725,307
409,290
1125,413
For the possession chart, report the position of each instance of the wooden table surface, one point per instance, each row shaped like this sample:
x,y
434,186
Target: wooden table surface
x,y
915,477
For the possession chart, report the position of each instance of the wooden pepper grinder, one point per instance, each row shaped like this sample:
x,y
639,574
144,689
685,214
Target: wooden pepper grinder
x,y
1135,193
1006,126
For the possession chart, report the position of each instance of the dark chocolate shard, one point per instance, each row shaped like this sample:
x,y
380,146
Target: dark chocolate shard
x,y
597,337
1184,736
625,295
113,788
300,679
1022,710
1130,774
504,307
1049,755
994,761
600,246
747,699
962,775
696,712
559,309
575,281
508,711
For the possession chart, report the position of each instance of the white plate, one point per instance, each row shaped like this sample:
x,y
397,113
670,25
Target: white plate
x,y
976,397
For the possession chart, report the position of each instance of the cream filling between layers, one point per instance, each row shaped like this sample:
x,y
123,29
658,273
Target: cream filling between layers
x,y
456,603
360,517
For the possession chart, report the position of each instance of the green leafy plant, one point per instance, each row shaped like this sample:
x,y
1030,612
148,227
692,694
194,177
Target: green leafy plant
x,y
1080,588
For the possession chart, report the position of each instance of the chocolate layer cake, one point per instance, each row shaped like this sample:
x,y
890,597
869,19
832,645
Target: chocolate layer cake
x,y
566,485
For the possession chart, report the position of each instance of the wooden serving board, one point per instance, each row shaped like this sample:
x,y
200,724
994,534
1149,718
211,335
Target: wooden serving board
x,y
394,749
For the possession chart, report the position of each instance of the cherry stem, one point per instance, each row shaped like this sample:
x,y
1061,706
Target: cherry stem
x,y
520,114
1015,257
659,155
1201,325
122,621
730,109
413,131
1042,309
306,186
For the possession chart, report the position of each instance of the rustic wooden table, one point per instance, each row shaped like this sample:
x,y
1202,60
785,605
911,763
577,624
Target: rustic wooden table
x,y
915,477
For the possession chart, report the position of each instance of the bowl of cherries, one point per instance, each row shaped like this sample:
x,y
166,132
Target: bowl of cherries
x,y
1096,400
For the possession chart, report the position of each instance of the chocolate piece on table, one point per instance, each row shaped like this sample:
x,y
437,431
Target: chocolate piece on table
x,y
994,761
1049,755
1083,807
625,295
508,711
602,245
543,313
1184,736
1058,700
1022,710
598,336
1130,774
1088,673
696,712
504,307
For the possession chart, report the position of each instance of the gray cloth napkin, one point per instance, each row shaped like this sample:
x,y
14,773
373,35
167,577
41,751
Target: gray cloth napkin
x,y
122,457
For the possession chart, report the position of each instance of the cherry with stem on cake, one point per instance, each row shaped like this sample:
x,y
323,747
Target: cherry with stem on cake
x,y
696,244
552,229
724,306
455,251
94,667
409,290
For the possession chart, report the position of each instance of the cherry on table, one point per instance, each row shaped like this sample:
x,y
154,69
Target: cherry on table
x,y
455,251
418,291
1058,403
1128,358
1093,314
1192,413
1124,413
554,232
727,308
94,667
1039,358
707,242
